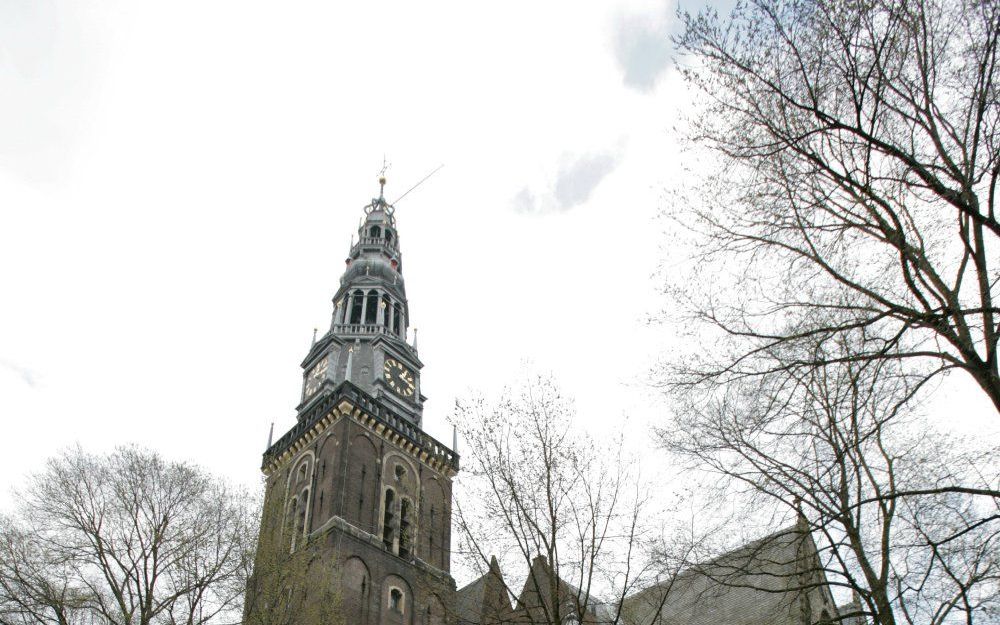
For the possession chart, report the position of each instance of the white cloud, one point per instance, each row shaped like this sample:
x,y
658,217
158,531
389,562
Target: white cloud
x,y
577,178
27,375
642,48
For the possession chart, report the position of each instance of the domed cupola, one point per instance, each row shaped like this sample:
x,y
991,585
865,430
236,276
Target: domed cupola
x,y
372,297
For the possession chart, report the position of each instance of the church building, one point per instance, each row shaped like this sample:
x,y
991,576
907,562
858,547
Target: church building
x,y
357,514
356,525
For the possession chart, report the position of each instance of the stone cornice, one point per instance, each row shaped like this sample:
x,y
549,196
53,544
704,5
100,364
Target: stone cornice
x,y
348,401
358,533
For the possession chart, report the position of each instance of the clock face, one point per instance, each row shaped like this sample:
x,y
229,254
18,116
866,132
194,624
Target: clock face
x,y
316,376
399,378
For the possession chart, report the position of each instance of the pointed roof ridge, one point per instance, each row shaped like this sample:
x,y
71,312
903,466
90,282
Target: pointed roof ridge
x,y
472,600
697,568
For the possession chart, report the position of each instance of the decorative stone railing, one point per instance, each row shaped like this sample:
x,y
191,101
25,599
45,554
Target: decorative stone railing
x,y
367,329
363,328
369,242
377,413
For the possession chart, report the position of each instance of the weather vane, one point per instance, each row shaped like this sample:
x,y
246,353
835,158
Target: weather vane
x,y
381,178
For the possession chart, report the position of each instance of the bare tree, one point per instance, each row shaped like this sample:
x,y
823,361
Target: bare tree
x,y
856,188
553,505
848,251
126,538
906,519
290,584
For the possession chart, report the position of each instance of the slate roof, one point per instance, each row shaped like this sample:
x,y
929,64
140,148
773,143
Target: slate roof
x,y
571,599
776,580
484,601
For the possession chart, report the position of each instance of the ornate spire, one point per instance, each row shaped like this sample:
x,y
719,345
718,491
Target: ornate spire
x,y
379,203
367,341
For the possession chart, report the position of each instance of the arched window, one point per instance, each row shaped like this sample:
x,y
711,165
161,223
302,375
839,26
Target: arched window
x,y
293,508
356,305
397,318
300,526
396,600
387,533
357,587
371,311
404,527
386,309
361,491
388,235
375,232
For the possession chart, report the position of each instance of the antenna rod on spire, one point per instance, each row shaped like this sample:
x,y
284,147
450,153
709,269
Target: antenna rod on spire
x,y
381,178
419,183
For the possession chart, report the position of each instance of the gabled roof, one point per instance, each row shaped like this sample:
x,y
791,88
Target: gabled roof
x,y
537,592
485,600
776,580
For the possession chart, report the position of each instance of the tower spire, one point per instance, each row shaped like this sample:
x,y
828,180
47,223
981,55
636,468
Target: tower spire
x,y
368,339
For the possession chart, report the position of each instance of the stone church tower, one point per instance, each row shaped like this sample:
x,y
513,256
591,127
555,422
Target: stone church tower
x,y
356,487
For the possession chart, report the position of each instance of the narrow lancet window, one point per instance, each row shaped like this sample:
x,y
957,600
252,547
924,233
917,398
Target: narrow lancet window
x,y
356,306
404,528
371,310
388,536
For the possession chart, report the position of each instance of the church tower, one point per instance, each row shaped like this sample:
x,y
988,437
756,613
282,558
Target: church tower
x,y
357,495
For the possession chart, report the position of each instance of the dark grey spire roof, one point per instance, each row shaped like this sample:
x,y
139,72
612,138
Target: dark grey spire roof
x,y
375,259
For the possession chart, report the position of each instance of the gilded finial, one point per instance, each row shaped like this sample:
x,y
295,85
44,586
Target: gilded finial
x,y
381,179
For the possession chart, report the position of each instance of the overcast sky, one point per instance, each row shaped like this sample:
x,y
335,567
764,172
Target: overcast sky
x,y
179,183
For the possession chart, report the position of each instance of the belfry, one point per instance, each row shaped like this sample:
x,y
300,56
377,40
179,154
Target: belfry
x,y
357,494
